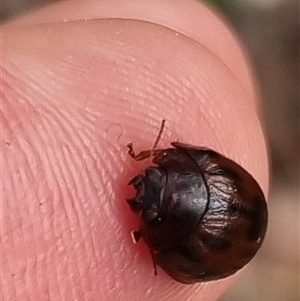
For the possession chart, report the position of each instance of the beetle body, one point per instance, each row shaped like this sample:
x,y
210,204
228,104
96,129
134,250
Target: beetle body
x,y
202,215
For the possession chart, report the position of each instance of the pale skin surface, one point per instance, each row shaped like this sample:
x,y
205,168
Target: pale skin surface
x,y
75,91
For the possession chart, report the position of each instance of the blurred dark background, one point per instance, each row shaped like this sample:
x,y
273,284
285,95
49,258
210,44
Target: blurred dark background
x,y
269,30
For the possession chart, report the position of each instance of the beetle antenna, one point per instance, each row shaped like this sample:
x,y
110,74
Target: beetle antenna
x,y
162,126
148,153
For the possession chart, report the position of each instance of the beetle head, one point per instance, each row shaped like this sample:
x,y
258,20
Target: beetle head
x,y
150,191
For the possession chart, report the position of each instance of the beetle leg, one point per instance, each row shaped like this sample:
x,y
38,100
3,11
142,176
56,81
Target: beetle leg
x,y
154,264
136,182
143,154
148,153
140,156
136,236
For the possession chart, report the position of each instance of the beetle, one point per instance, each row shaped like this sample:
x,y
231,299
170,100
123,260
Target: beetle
x,y
202,215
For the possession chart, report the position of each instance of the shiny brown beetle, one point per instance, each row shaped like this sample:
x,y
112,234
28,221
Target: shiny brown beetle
x,y
202,215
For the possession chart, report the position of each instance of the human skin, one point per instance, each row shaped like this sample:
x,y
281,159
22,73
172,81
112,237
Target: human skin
x,y
78,83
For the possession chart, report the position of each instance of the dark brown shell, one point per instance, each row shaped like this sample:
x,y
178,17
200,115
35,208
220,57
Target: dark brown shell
x,y
202,215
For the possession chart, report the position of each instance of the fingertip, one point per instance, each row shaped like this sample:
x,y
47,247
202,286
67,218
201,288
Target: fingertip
x,y
192,18
133,74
